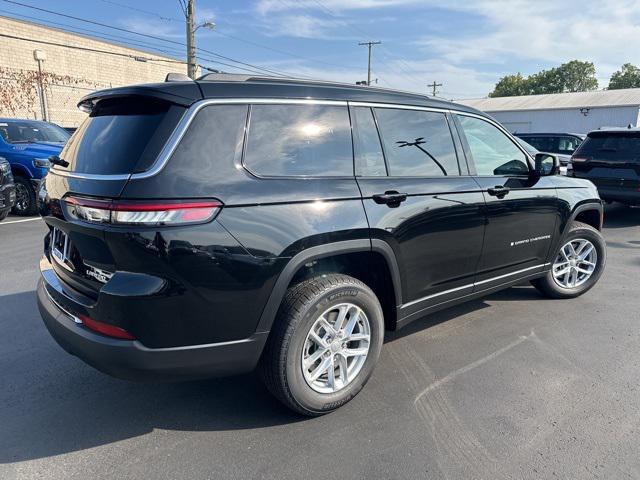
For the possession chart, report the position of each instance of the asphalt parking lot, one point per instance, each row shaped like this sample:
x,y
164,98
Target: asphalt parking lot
x,y
512,386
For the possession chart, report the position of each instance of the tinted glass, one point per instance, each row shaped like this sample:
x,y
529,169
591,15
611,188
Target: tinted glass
x,y
367,147
615,147
492,152
30,132
543,144
417,143
567,145
120,135
299,140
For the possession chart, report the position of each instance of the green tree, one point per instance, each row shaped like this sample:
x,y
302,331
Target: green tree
x,y
573,76
510,86
627,77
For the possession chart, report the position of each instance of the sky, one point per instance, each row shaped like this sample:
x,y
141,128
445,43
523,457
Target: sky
x,y
466,45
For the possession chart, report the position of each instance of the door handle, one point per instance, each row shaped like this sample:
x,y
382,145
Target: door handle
x,y
391,198
498,191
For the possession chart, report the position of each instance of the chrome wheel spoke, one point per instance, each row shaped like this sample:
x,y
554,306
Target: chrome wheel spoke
x,y
325,365
314,357
355,352
585,252
343,366
319,340
357,337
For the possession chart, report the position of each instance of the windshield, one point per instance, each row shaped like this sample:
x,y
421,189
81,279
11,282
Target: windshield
x,y
31,132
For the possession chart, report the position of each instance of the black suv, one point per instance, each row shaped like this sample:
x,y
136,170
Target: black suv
x,y
210,227
610,158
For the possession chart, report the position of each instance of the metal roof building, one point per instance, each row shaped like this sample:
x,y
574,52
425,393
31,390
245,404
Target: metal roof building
x,y
563,112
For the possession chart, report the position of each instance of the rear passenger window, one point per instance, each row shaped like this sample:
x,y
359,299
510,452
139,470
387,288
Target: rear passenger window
x,y
299,140
417,143
366,144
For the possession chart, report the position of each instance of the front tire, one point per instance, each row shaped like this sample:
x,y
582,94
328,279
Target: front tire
x,y
25,198
4,214
578,264
324,344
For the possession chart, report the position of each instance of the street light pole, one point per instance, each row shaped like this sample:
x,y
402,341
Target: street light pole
x,y
369,44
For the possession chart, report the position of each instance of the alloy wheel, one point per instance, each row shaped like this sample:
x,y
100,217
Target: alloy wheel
x,y
336,348
575,263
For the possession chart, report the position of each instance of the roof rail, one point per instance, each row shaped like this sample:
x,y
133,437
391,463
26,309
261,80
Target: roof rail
x,y
177,77
226,77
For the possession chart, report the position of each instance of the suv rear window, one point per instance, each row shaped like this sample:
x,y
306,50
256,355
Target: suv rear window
x,y
121,136
618,146
299,140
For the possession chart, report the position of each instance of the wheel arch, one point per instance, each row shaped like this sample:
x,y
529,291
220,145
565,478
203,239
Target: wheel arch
x,y
589,212
324,255
19,170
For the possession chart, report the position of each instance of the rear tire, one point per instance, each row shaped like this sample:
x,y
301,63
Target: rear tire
x,y
300,346
4,214
576,280
25,198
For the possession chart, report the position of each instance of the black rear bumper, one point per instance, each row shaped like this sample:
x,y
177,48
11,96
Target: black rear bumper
x,y
129,359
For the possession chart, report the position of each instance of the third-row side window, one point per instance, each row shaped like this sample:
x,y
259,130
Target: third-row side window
x,y
299,140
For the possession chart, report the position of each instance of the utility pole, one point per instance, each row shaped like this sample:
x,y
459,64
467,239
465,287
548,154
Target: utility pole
x,y
191,38
434,86
369,44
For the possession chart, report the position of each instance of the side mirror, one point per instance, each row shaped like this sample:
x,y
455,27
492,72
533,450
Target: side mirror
x,y
546,165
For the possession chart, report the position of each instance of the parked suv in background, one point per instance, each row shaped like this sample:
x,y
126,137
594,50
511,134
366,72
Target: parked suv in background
x,y
233,222
7,189
27,145
610,158
562,144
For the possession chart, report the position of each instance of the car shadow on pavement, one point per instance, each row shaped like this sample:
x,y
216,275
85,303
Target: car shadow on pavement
x,y
516,293
52,403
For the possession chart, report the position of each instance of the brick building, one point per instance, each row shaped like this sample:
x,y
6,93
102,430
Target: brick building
x,y
37,61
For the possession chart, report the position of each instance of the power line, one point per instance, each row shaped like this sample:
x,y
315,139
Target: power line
x,y
94,50
93,22
121,40
386,53
123,5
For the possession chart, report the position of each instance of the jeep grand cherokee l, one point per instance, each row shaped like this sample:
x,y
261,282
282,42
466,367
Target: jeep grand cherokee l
x,y
210,227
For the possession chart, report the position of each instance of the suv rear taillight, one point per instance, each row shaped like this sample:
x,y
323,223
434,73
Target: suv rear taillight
x,y
145,213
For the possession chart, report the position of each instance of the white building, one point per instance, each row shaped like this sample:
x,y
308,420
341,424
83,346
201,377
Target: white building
x,y
563,112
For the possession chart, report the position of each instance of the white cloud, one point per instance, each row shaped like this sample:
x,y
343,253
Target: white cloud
x,y
330,6
545,31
